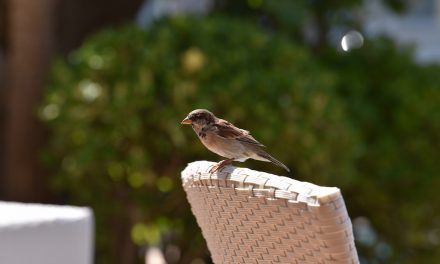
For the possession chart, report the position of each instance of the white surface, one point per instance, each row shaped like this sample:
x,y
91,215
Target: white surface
x,y
154,256
45,234
419,29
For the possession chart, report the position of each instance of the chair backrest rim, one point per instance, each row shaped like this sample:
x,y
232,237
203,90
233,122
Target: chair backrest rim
x,y
262,184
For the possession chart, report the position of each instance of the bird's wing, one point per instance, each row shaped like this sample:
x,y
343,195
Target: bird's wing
x,y
227,130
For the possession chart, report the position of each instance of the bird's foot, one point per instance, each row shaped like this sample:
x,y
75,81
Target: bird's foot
x,y
220,165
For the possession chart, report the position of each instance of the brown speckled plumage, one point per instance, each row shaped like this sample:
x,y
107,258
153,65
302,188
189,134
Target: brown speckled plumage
x,y
227,140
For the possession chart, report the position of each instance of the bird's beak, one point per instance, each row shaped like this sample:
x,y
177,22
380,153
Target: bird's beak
x,y
186,121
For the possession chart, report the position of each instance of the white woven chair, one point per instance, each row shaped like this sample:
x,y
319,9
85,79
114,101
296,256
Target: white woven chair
x,y
249,216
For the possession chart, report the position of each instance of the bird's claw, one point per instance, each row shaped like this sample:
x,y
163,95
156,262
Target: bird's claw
x,y
214,168
220,165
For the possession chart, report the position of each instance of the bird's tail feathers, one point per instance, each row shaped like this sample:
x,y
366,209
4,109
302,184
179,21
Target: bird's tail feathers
x,y
273,160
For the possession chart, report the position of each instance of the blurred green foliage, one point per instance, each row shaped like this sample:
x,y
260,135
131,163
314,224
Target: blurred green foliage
x,y
394,105
366,121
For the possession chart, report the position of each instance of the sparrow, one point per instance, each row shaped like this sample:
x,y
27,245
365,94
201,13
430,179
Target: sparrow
x,y
227,140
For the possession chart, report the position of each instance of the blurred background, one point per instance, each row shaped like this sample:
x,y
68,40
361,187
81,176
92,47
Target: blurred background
x,y
346,93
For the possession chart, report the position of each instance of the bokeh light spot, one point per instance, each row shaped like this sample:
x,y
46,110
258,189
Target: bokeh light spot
x,y
90,91
50,112
141,234
383,251
154,256
136,179
96,62
193,60
352,40
363,231
164,184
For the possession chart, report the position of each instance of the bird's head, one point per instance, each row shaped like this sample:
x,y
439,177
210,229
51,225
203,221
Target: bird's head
x,y
199,117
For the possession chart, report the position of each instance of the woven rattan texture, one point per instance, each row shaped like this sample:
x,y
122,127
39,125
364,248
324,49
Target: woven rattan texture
x,y
254,217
